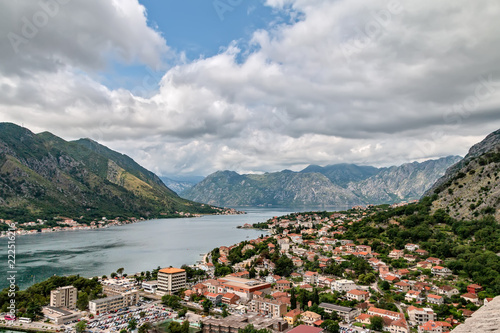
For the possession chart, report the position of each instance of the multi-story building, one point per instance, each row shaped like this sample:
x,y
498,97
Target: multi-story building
x,y
434,327
283,285
292,316
343,285
373,311
346,313
171,280
64,297
441,271
358,295
311,277
113,303
244,288
310,318
447,291
266,306
435,299
419,316
150,286
107,304
396,254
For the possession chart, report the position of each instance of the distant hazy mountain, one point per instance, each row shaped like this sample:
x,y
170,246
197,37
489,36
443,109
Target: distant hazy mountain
x,y
471,187
42,176
179,185
334,185
285,188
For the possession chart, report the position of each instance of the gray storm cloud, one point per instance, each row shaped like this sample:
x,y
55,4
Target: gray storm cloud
x,y
378,83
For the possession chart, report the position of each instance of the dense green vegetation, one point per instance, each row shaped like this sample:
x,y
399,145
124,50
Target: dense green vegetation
x,y
29,302
469,247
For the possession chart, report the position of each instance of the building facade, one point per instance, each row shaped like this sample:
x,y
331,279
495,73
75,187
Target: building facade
x,y
113,303
266,306
171,280
64,297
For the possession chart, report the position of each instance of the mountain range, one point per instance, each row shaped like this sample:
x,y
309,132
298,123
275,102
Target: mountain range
x,y
42,176
340,185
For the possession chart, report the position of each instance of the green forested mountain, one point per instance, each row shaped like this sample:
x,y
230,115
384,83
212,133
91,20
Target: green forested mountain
x,y
42,176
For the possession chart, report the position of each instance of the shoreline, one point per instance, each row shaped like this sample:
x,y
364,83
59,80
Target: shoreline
x,y
24,232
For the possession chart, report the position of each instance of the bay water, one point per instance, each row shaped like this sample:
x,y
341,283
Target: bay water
x,y
135,247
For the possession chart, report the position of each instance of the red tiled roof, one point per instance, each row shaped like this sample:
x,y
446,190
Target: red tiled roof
x,y
431,325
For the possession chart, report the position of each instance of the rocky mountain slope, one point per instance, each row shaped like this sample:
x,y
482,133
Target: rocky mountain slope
x,y
470,189
404,182
343,174
42,176
335,185
284,188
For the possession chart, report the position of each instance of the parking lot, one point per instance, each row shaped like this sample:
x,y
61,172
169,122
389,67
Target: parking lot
x,y
114,322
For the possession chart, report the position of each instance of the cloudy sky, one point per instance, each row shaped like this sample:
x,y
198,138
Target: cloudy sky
x,y
191,87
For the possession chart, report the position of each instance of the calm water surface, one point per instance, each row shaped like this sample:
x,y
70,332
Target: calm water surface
x,y
136,247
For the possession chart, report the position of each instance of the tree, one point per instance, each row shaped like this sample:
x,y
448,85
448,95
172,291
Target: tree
x,y
120,270
83,301
293,299
175,327
315,299
185,327
113,275
182,312
385,285
330,326
207,305
225,313
377,323
132,324
284,266
81,326
172,301
144,328
252,272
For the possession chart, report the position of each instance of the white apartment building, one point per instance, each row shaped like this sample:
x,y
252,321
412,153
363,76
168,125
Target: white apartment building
x,y
150,286
171,280
343,285
64,297
113,303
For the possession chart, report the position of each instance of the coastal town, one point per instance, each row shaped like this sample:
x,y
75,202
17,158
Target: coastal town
x,y
306,275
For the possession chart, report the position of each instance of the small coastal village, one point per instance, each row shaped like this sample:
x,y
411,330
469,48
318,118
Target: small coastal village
x,y
302,276
68,224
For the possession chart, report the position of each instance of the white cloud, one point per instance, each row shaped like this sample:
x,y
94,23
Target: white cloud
x,y
371,83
